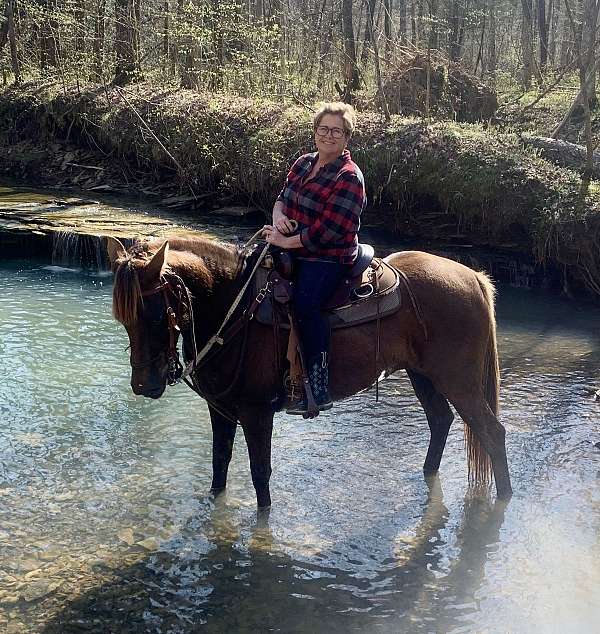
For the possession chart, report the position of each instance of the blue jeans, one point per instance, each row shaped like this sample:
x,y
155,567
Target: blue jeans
x,y
315,283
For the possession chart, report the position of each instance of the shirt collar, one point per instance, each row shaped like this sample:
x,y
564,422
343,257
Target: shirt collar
x,y
336,165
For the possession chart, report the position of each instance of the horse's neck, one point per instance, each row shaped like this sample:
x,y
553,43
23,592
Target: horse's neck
x,y
214,279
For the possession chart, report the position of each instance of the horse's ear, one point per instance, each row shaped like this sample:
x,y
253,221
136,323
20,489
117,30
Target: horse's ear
x,y
159,259
115,249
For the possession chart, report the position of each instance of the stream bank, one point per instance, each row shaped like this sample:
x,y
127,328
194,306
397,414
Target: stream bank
x,y
437,184
66,230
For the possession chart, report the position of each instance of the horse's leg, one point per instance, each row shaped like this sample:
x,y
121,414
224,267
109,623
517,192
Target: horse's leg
x,y
439,417
257,424
222,446
484,424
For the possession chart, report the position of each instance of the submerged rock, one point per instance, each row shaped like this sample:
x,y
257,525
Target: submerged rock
x,y
39,589
150,543
126,535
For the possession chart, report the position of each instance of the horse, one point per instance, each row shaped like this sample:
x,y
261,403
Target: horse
x,y
445,339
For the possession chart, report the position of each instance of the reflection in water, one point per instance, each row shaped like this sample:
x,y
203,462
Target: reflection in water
x,y
105,524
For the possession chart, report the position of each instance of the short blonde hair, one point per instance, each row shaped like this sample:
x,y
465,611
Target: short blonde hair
x,y
344,110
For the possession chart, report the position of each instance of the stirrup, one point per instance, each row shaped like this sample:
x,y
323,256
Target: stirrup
x,y
328,404
299,408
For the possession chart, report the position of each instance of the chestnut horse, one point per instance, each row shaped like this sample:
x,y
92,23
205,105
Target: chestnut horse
x,y
445,339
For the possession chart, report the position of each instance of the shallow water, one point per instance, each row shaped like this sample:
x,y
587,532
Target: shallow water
x,y
106,525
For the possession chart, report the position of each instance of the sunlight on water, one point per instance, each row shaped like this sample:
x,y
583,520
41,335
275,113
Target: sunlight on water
x,y
106,525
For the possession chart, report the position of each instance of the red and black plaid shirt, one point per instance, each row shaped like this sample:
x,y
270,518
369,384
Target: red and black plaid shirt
x,y
326,207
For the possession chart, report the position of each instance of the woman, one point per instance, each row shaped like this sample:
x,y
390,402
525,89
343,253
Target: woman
x,y
325,194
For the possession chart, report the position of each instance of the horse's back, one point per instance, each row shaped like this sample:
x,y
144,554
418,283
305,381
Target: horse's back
x,y
433,273
421,263
453,296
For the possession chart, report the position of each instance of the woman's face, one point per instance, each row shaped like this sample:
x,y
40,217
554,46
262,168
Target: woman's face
x,y
330,136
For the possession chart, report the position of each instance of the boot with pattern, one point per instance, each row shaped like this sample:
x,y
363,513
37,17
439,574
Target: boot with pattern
x,y
318,377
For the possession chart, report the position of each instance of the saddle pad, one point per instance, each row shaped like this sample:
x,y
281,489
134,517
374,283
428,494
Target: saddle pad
x,y
355,311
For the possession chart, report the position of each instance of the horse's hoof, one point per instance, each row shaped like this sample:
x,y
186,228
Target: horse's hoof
x,y
216,491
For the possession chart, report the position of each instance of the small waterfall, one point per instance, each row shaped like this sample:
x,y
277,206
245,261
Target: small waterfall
x,y
80,250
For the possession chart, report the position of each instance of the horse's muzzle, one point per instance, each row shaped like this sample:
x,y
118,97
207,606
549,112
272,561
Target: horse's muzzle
x,y
149,391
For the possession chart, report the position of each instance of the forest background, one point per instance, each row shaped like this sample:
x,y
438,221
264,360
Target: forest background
x,y
476,117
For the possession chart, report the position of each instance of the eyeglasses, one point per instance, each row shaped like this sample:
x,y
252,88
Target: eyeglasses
x,y
336,133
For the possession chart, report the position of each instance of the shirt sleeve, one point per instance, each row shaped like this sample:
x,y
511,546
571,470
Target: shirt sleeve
x,y
340,216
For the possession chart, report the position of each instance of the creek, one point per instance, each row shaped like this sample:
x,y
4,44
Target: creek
x,y
106,524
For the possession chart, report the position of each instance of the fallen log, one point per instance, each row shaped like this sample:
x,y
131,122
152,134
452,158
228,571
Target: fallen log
x,y
563,153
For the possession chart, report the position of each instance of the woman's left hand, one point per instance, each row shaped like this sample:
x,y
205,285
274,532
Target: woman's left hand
x,y
274,237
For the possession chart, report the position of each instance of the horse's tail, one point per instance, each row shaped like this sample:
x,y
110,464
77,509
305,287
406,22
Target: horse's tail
x,y
479,462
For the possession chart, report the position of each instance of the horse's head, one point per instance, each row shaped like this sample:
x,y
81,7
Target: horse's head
x,y
141,304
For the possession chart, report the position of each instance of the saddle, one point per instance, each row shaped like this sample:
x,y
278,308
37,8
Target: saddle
x,y
368,292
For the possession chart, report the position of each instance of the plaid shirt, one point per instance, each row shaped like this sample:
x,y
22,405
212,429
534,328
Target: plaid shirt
x,y
326,207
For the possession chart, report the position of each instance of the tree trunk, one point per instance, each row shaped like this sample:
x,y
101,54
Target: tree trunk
x,y
80,30
387,25
350,69
480,50
4,27
98,42
434,38
49,43
368,41
324,50
588,48
12,38
403,22
218,45
492,61
456,21
552,32
127,44
564,153
384,105
527,44
566,41
543,33
166,42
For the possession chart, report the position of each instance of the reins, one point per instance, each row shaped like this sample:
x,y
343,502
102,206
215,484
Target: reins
x,y
217,338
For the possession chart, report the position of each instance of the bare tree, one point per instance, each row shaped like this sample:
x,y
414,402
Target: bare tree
x,y
527,44
402,20
98,41
350,68
49,38
387,24
127,42
543,26
12,38
492,60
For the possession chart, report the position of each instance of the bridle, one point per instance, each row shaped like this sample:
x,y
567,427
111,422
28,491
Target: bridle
x,y
171,284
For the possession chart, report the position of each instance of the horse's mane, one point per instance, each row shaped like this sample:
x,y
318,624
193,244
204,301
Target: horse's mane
x,y
127,291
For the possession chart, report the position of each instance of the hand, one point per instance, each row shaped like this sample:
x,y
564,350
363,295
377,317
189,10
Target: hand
x,y
285,226
274,237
